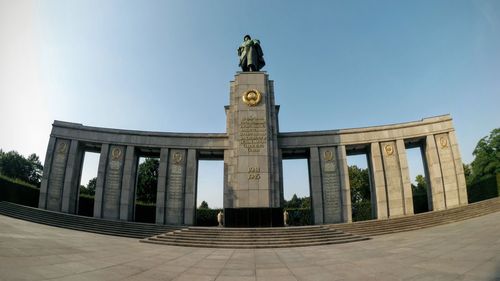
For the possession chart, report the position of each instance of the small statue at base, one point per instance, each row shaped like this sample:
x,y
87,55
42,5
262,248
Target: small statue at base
x,y
251,55
285,218
220,218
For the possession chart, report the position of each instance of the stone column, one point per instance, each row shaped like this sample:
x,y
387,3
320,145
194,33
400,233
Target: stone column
x,y
191,186
330,179
101,174
176,182
405,175
315,185
393,179
435,177
459,169
49,155
344,184
56,177
448,171
162,184
72,178
127,199
113,183
252,129
378,180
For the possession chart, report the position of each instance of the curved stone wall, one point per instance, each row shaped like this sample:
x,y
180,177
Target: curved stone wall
x,y
325,150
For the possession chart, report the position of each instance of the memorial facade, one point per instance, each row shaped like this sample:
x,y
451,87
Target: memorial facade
x,y
253,149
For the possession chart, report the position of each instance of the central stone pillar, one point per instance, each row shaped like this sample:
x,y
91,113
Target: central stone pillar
x,y
253,189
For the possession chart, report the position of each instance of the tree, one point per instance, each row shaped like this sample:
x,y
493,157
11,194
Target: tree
x,y
487,157
467,173
421,186
298,202
36,169
148,180
14,165
204,205
90,188
360,184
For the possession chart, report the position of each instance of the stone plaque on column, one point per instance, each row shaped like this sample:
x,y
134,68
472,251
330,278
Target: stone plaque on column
x,y
176,181
448,171
253,171
113,182
332,205
57,172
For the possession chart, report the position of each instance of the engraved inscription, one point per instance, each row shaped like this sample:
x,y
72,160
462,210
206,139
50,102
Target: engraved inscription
x,y
112,184
56,179
175,185
331,187
253,133
254,173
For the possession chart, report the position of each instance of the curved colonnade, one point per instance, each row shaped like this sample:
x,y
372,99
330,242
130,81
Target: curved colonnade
x,y
326,151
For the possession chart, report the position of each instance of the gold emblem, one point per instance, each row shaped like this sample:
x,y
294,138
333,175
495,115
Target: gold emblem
x,y
63,146
443,141
116,153
252,97
177,157
389,149
328,155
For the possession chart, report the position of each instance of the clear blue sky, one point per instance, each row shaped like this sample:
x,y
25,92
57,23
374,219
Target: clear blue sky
x,y
166,66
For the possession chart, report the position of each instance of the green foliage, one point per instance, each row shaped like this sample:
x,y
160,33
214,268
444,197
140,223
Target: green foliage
x,y
299,216
487,157
14,165
360,184
204,205
148,180
359,180
486,188
207,217
19,192
89,189
361,210
298,202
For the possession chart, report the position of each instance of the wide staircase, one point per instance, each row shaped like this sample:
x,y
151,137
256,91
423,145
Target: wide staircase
x,y
221,237
423,220
278,237
81,223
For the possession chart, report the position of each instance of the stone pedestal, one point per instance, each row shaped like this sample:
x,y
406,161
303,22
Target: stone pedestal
x,y
252,164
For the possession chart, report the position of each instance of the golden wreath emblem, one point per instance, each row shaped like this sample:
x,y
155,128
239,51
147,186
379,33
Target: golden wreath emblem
x,y
177,157
116,153
62,147
328,155
252,97
389,149
443,141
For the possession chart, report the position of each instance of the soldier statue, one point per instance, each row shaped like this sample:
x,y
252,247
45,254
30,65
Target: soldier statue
x,y
251,55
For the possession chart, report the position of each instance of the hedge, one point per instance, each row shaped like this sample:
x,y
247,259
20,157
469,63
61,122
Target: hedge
x,y
299,216
18,192
207,217
361,211
486,188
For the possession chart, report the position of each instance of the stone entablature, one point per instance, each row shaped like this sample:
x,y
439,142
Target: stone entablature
x,y
253,150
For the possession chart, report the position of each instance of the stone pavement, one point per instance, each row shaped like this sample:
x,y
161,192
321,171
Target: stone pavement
x,y
467,250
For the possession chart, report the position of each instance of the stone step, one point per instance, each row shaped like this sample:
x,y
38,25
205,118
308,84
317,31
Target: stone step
x,y
252,239
419,221
256,246
82,223
277,236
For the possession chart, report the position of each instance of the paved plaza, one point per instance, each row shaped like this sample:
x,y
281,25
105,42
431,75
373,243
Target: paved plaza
x,y
467,250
